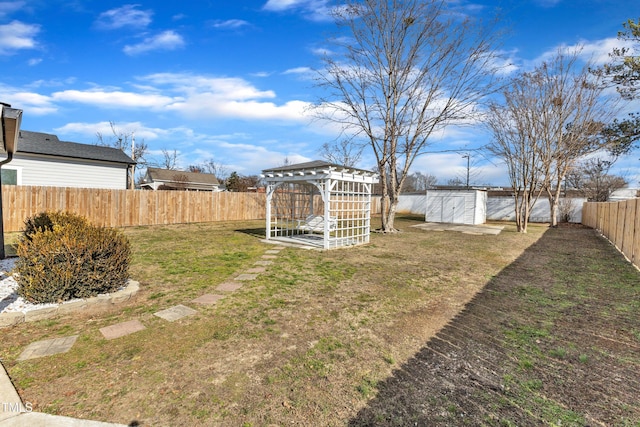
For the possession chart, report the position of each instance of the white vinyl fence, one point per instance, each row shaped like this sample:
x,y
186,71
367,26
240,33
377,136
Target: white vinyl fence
x,y
498,208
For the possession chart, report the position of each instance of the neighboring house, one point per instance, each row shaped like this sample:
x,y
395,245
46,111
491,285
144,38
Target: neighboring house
x,y
42,159
166,179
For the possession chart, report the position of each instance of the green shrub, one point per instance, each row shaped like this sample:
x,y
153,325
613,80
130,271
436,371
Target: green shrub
x,y
62,256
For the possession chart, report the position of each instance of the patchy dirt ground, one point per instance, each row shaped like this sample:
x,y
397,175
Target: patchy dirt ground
x,y
364,336
554,339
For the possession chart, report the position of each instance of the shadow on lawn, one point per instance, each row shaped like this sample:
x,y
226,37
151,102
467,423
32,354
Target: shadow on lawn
x,y
255,232
497,362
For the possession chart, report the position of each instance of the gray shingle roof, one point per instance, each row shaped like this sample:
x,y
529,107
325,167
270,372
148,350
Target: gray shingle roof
x,y
48,144
167,175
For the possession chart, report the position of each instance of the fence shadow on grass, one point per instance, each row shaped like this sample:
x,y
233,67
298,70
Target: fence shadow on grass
x,y
494,363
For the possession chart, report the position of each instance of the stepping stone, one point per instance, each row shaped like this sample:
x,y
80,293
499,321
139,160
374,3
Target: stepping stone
x,y
176,312
246,277
48,347
208,299
272,251
263,263
229,286
121,329
256,270
279,248
269,257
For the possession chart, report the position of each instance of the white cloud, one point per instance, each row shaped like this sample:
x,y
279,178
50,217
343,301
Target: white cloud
x,y
596,51
222,87
279,5
230,24
17,35
113,99
298,70
168,40
34,61
125,16
193,96
34,103
104,128
315,10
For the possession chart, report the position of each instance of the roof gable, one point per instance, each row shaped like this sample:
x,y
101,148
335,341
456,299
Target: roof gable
x,y
49,145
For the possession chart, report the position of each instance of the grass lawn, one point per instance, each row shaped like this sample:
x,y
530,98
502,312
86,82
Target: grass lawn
x,y
320,337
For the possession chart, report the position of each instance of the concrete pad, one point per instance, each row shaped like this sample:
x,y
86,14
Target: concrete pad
x,y
9,395
263,263
208,299
272,251
121,329
229,286
269,257
174,313
246,277
256,270
462,228
48,347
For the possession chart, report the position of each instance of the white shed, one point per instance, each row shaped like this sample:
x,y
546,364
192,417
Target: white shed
x,y
457,206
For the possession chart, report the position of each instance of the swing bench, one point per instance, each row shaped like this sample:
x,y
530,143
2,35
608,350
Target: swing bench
x,y
315,224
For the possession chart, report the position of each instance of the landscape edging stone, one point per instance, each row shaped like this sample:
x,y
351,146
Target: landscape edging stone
x,y
67,307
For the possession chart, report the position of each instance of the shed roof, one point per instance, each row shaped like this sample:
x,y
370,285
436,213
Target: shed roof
x,y
49,144
168,175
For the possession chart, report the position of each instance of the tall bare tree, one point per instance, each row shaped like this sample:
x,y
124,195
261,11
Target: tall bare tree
x,y
575,111
551,118
403,70
513,126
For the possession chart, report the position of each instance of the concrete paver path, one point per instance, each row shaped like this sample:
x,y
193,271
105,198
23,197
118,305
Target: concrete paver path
x,y
121,329
48,347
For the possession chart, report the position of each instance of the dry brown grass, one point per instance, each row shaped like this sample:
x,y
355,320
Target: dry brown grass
x,y
307,343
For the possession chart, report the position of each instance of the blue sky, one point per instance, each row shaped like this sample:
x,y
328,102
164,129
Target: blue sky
x,y
231,80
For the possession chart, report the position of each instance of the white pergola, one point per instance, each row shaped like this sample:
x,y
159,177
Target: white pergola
x,y
319,204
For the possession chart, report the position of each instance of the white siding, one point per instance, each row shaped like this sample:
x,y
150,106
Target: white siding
x,y
41,170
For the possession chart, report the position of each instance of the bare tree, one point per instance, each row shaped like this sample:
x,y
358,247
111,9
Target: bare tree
x,y
169,159
593,180
419,182
406,69
573,112
345,152
125,141
217,168
512,125
552,117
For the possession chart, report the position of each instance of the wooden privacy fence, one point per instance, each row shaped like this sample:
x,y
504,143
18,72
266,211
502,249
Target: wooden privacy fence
x,y
619,222
126,208
123,208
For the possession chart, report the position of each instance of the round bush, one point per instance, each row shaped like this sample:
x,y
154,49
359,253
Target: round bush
x,y
62,256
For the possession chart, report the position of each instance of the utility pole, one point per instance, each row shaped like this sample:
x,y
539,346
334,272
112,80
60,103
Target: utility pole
x,y
468,157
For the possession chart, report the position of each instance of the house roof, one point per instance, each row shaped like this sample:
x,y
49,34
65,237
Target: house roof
x,y
168,175
48,144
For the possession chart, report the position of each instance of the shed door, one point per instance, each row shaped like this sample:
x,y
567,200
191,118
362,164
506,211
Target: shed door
x,y
453,210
